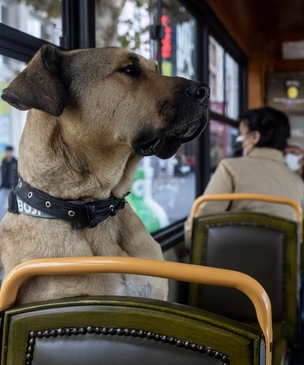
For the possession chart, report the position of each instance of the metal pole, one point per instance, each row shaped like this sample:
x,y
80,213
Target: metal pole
x,y
86,11
202,144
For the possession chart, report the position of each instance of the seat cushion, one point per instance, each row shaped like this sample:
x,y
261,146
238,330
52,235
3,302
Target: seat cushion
x,y
116,346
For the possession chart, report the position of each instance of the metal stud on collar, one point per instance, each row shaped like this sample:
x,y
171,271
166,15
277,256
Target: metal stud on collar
x,y
112,210
71,213
30,194
48,204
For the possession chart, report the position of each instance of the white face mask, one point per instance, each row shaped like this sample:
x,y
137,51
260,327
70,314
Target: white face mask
x,y
240,139
293,161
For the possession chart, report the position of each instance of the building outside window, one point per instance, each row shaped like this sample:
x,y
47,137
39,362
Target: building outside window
x,y
224,83
231,87
216,76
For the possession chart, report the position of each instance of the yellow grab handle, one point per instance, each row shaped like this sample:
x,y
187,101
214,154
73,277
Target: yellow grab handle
x,y
249,196
128,265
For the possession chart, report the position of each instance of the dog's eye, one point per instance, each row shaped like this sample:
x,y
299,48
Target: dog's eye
x,y
130,70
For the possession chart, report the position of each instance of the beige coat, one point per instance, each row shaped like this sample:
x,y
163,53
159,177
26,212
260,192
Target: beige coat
x,y
262,172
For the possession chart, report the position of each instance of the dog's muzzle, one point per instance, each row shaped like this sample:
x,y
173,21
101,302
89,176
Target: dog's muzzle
x,y
199,91
185,115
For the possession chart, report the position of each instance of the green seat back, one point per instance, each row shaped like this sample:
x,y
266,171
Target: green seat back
x,y
266,248
120,330
302,251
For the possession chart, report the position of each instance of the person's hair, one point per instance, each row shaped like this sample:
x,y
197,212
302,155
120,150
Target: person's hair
x,y
9,148
272,124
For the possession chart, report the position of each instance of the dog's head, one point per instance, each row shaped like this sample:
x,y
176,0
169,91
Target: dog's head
x,y
113,97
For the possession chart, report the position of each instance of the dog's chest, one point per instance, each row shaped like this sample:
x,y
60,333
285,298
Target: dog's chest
x,y
134,285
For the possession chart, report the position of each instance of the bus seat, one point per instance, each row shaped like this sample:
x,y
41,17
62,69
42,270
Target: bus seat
x,y
302,251
266,248
119,330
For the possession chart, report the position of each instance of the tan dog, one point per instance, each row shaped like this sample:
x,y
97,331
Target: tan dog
x,y
93,115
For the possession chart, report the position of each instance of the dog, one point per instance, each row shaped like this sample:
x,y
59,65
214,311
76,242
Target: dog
x,y
93,115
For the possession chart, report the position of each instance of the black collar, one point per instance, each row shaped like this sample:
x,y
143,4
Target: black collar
x,y
28,200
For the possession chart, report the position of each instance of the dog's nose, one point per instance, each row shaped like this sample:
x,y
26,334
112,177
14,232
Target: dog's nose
x,y
199,91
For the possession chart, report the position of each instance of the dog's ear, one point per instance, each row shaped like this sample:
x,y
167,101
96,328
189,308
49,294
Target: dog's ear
x,y
40,85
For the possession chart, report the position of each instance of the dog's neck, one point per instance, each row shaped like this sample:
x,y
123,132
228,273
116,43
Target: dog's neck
x,y
71,169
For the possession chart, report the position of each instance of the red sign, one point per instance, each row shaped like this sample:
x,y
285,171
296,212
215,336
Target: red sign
x,y
166,41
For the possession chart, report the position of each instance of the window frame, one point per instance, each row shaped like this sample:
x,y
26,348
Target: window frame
x,y
17,44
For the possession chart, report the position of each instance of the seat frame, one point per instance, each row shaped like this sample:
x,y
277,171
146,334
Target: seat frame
x,y
176,325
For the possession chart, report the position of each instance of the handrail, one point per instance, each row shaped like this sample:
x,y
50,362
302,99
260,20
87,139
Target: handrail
x,y
128,265
249,196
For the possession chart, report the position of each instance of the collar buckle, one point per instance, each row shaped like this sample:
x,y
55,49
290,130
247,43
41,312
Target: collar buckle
x,y
92,217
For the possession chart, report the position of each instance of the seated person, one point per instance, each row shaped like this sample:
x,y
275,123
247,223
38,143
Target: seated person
x,y
263,134
294,156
